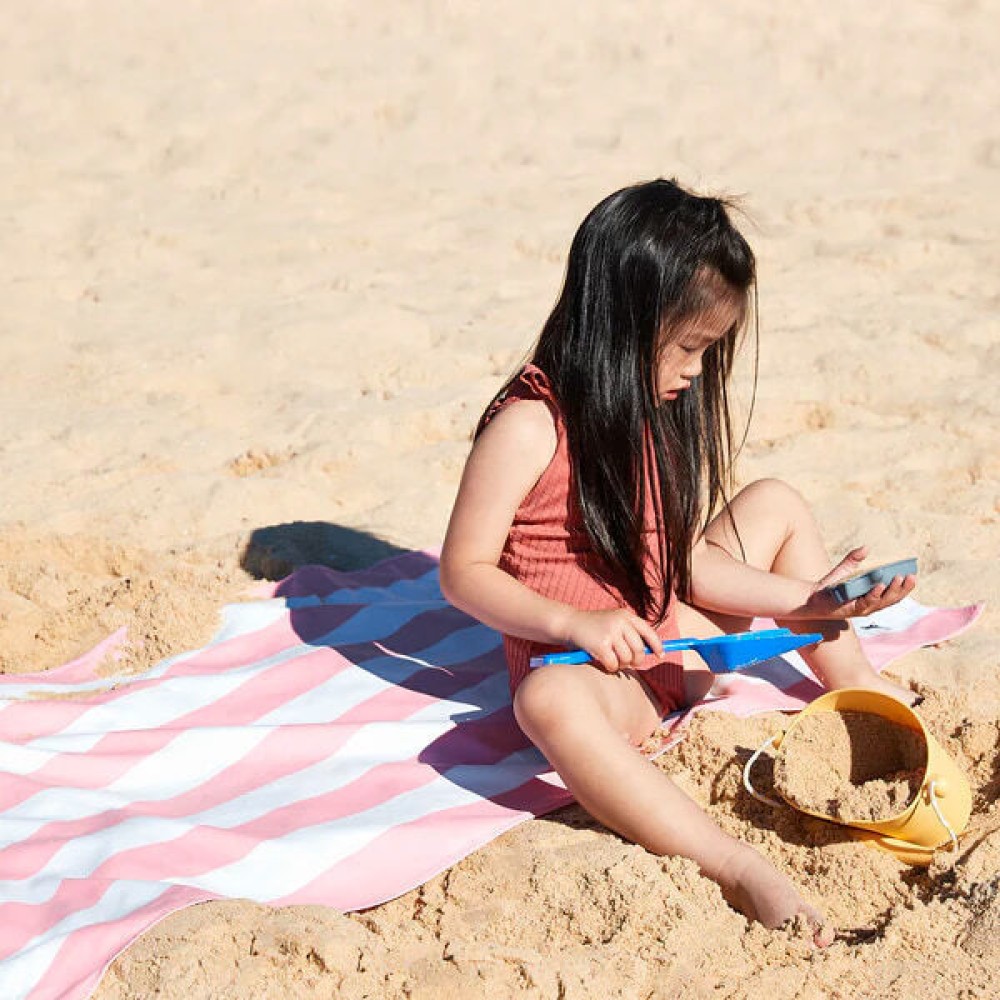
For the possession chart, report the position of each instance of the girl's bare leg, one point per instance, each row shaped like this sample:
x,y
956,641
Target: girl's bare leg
x,y
779,533
584,720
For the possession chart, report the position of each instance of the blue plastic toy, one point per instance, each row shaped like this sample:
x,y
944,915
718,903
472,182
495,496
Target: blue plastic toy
x,y
722,653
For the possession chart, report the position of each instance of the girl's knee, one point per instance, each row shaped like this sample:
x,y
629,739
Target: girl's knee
x,y
771,489
538,699
776,494
552,697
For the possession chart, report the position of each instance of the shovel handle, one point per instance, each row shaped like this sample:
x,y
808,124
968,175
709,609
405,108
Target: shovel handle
x,y
582,656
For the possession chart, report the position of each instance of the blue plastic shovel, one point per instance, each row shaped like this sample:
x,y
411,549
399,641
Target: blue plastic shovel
x,y
722,653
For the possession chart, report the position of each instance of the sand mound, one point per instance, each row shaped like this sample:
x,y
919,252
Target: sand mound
x,y
61,594
851,765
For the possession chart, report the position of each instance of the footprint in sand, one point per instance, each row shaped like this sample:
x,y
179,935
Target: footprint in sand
x,y
255,460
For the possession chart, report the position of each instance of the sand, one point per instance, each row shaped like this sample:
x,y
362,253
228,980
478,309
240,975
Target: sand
x,y
264,264
851,766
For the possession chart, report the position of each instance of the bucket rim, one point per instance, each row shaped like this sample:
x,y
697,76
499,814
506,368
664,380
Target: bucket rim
x,y
828,702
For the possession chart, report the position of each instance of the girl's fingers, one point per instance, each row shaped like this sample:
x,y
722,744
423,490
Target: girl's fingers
x,y
626,638
871,601
649,636
636,645
884,596
623,651
847,567
608,657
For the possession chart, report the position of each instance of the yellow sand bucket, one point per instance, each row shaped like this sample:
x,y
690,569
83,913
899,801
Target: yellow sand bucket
x,y
939,811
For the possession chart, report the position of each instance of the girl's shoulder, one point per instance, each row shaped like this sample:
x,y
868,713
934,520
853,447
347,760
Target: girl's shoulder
x,y
530,383
532,432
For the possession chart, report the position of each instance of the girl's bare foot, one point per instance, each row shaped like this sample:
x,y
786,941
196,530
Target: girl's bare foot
x,y
875,682
905,695
758,890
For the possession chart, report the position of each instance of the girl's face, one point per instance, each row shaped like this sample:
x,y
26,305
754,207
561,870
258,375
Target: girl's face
x,y
683,347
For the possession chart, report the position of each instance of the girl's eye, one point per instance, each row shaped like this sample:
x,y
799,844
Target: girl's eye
x,y
688,350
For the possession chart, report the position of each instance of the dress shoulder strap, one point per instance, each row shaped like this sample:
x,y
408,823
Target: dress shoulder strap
x,y
529,383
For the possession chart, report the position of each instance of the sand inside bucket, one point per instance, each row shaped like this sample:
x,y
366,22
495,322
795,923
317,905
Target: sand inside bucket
x,y
851,766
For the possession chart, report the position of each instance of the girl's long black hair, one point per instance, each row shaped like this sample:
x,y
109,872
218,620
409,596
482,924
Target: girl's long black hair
x,y
644,260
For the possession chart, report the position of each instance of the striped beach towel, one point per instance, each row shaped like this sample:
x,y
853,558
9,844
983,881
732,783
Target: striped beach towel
x,y
338,742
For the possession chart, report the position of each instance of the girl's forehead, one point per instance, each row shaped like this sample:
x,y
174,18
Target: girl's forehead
x,y
712,321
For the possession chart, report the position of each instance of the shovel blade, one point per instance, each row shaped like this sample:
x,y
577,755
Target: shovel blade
x,y
725,653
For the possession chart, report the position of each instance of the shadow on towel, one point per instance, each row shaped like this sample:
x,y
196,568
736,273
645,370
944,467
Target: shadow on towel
x,y
314,559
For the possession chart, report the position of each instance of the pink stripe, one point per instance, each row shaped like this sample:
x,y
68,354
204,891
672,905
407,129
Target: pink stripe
x,y
77,671
207,848
119,752
196,851
407,855
78,965
415,634
753,699
21,721
27,720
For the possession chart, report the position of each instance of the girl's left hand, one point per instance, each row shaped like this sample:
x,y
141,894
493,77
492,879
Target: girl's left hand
x,y
822,603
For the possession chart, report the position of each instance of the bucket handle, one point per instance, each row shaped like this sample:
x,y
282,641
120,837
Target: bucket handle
x,y
932,793
748,766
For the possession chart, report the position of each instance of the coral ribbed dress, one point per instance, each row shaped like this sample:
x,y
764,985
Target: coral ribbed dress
x,y
549,551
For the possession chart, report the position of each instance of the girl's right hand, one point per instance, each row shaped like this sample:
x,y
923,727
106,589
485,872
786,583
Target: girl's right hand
x,y
822,603
615,639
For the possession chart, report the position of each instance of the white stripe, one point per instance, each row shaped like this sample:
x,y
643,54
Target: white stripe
x,y
187,762
239,620
344,692
421,589
375,744
281,867
367,624
150,708
276,868
158,705
20,692
897,618
251,616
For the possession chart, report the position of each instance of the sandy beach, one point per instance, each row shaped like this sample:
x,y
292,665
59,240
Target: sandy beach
x,y
266,263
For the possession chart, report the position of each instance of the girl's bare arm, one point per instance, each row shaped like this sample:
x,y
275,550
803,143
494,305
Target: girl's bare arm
x,y
506,461
719,582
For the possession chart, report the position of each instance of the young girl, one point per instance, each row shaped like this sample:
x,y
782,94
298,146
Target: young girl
x,y
585,519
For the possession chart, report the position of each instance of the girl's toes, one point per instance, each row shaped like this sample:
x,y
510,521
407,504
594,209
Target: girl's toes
x,y
823,935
